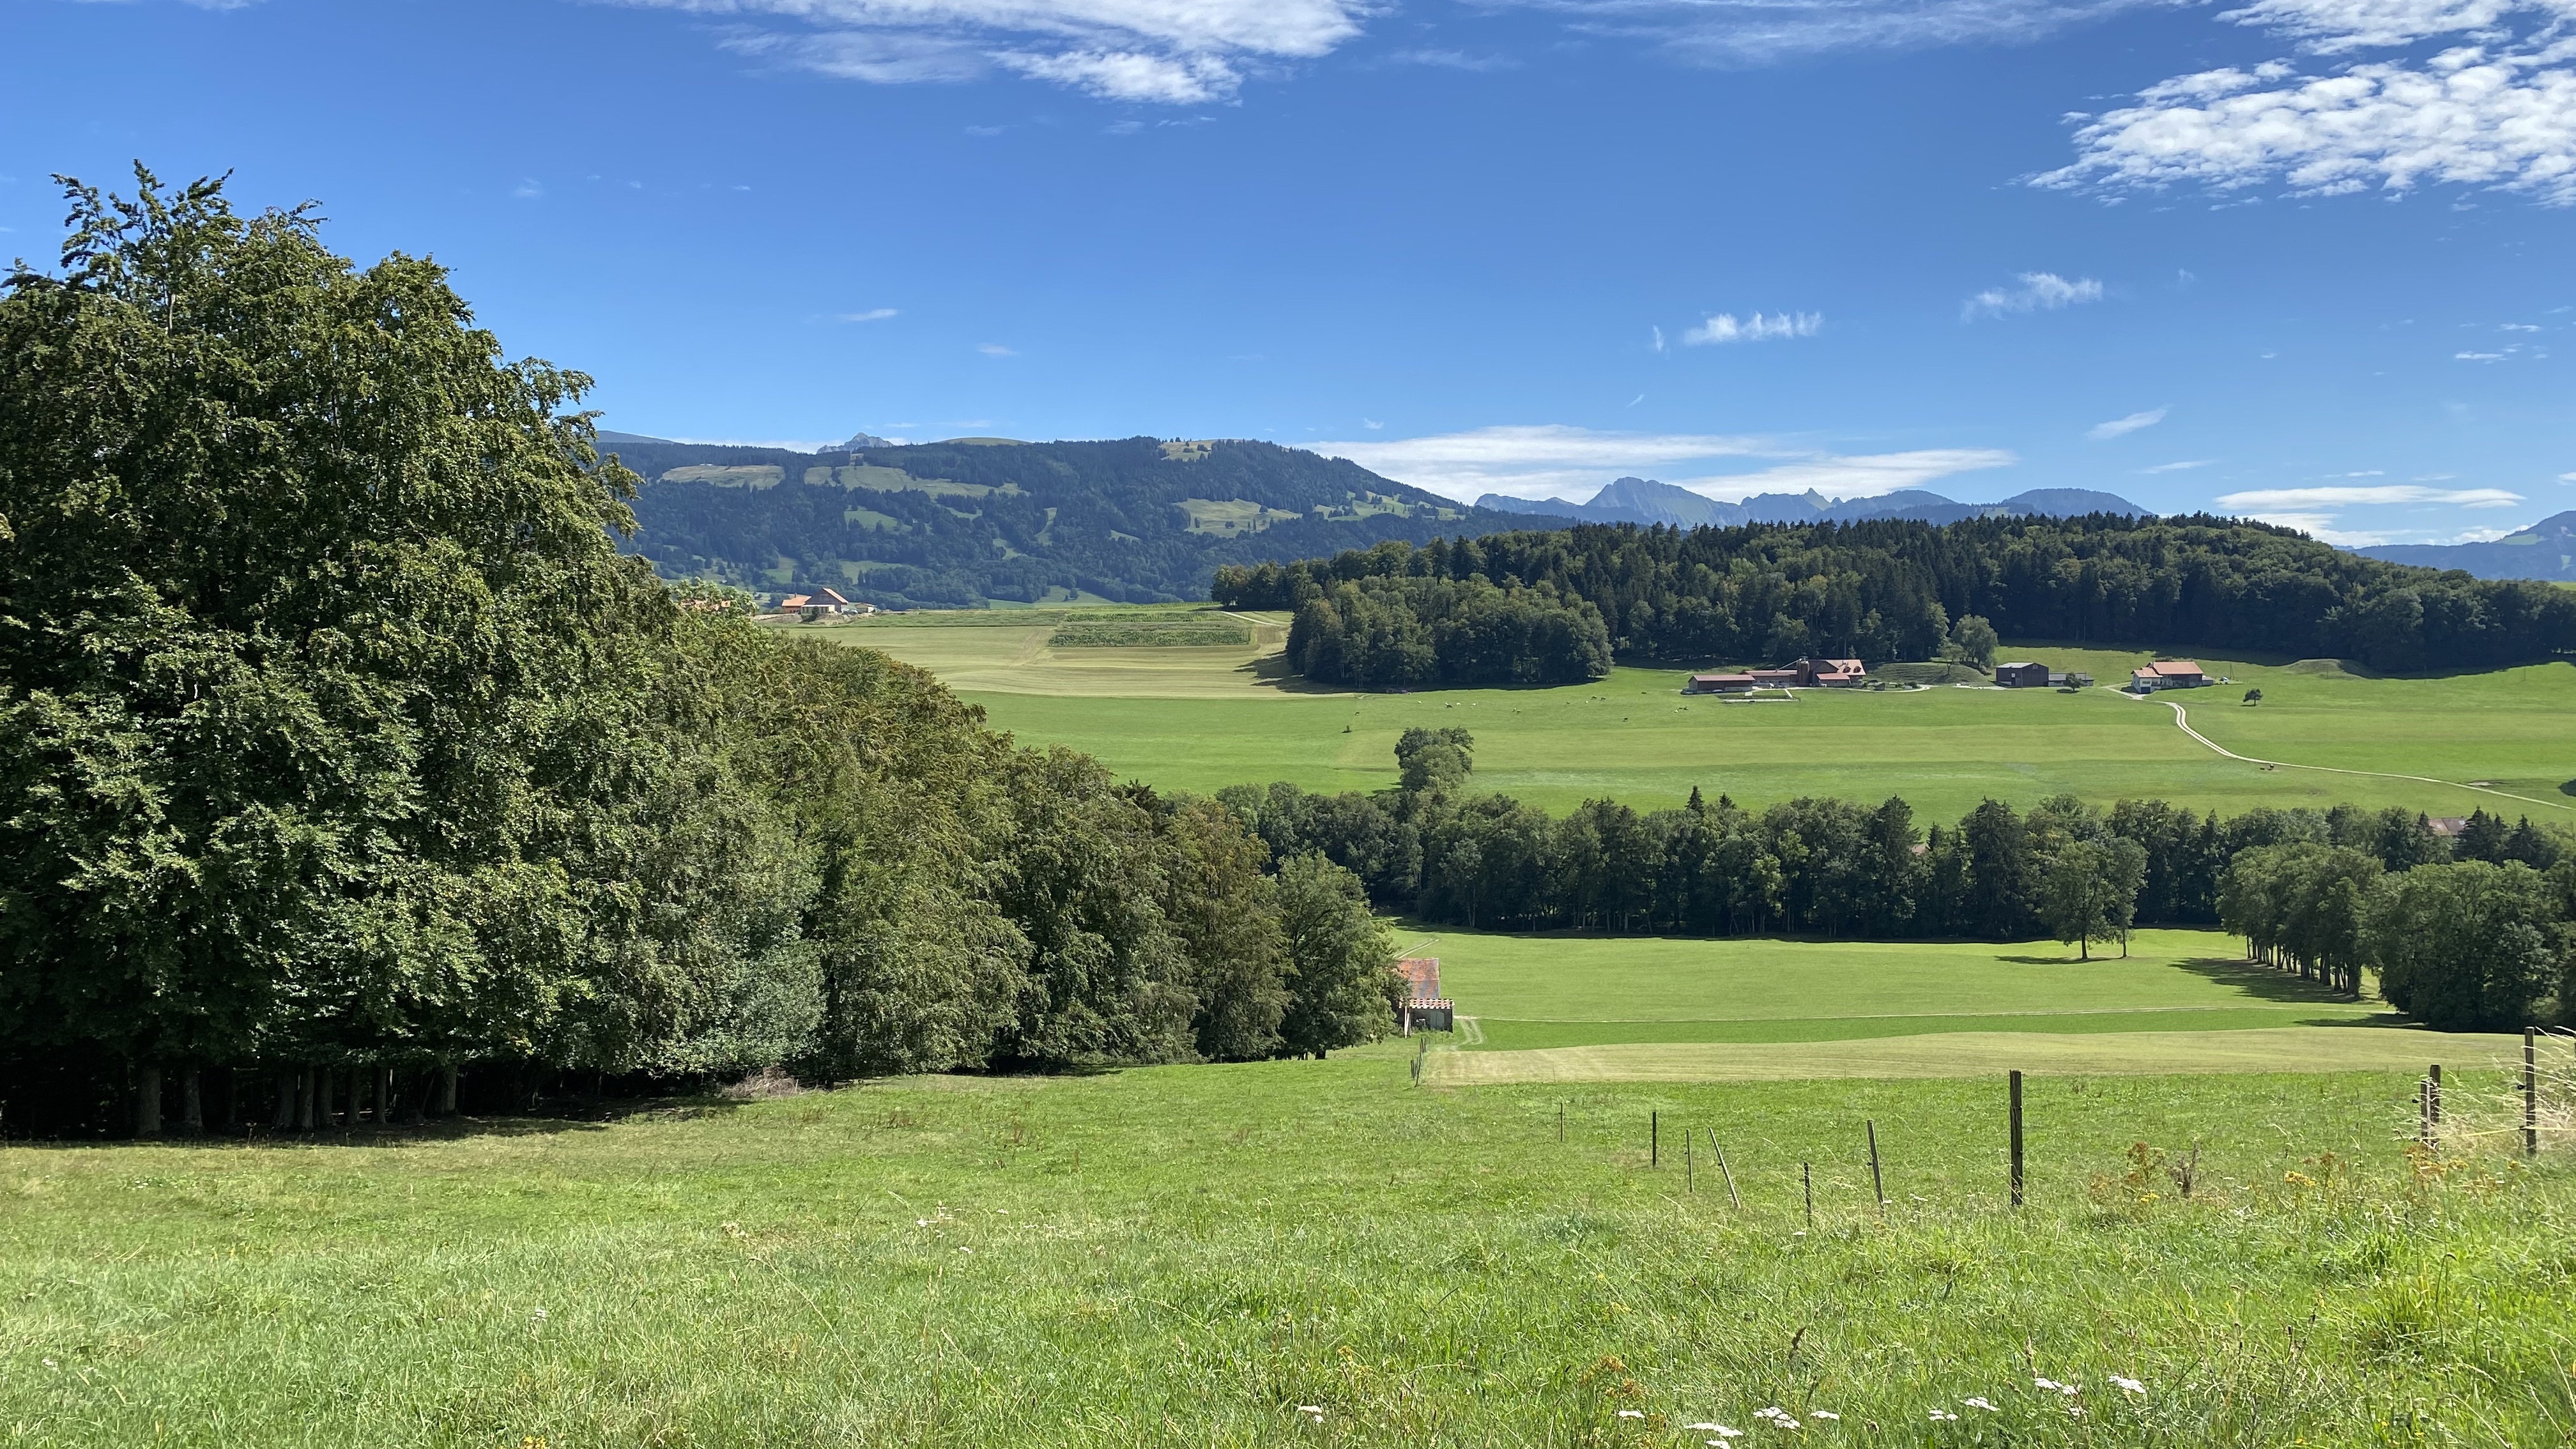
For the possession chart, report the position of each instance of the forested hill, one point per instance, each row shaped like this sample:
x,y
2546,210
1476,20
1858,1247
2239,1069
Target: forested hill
x,y
960,522
1398,615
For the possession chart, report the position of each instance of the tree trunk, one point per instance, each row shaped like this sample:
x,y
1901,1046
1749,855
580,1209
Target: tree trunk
x,y
232,1101
192,1103
284,1121
384,1096
304,1100
147,1102
447,1090
324,1080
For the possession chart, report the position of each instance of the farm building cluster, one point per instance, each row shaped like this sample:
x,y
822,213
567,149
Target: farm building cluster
x,y
2023,674
1805,674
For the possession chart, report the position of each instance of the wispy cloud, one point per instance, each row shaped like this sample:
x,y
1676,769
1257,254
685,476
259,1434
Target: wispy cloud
x,y
2321,527
2261,499
873,314
529,189
2031,292
995,349
1568,462
1759,327
2122,427
1174,52
1755,32
2184,465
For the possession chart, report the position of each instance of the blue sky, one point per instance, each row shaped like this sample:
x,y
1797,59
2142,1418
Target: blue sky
x,y
2307,259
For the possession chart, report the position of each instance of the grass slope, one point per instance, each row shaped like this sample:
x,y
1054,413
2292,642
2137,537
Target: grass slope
x,y
1199,719
1184,1256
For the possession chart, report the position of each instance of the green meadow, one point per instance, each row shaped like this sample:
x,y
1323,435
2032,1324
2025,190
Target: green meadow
x,y
1203,718
1318,1253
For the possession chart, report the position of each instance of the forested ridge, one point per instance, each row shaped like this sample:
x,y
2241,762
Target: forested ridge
x,y
955,524
1892,590
342,753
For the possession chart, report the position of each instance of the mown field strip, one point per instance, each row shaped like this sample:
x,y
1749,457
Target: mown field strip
x,y
1973,1054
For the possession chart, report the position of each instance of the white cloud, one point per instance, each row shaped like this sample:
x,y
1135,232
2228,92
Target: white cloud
x,y
2187,463
529,189
2320,526
1542,461
1659,338
1724,328
2479,535
873,314
2260,499
1859,476
1177,52
2567,477
2034,292
995,349
1566,462
2122,427
2477,357
2498,112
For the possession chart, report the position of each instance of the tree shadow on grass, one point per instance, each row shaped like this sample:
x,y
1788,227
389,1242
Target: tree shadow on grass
x,y
2255,979
562,1117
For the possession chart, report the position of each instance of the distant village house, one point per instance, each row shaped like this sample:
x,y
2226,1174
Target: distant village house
x,y
1424,1007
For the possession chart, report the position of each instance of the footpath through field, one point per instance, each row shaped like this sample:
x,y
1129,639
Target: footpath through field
x,y
2182,720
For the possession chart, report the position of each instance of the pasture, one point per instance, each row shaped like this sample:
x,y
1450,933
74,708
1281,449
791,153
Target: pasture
x,y
1310,1253
1559,1007
1203,718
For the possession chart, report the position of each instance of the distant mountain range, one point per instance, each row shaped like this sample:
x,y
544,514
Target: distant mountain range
x,y
2546,550
973,520
1643,500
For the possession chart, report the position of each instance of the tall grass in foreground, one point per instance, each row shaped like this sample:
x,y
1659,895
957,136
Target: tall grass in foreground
x,y
1311,1253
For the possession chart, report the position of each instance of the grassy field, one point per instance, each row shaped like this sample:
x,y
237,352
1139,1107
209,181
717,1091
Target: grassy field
x,y
1202,718
1186,1256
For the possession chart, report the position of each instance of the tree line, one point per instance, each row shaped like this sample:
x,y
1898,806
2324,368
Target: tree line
x,y
341,751
2302,885
1896,590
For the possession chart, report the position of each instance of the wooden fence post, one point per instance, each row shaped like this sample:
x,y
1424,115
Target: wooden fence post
x,y
1725,1171
2016,1137
2436,1085
1807,1175
1690,1171
1654,1139
1877,1184
2530,1092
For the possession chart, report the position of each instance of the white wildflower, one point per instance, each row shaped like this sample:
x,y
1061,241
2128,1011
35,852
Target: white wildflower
x,y
1724,1433
1984,1404
2130,1386
1315,1409
1632,1413
1823,1414
2046,1384
537,1317
1944,1416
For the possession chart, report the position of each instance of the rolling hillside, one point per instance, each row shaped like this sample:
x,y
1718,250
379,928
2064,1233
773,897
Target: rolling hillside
x,y
2546,550
973,520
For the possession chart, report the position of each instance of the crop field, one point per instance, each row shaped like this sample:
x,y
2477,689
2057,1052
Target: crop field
x,y
1203,718
1557,1008
1312,1253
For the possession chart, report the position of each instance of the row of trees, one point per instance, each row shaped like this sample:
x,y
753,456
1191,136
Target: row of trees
x,y
1825,867
1888,589
337,738
2469,945
1399,633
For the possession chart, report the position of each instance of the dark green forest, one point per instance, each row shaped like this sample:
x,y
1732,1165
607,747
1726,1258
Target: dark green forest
x,y
343,756
1890,590
955,524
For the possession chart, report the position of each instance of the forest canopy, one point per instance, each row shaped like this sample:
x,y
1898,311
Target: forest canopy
x,y
341,748
1890,590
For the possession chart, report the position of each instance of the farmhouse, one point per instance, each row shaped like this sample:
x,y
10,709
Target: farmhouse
x,y
1424,1006
1720,684
2022,675
2167,674
1831,673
